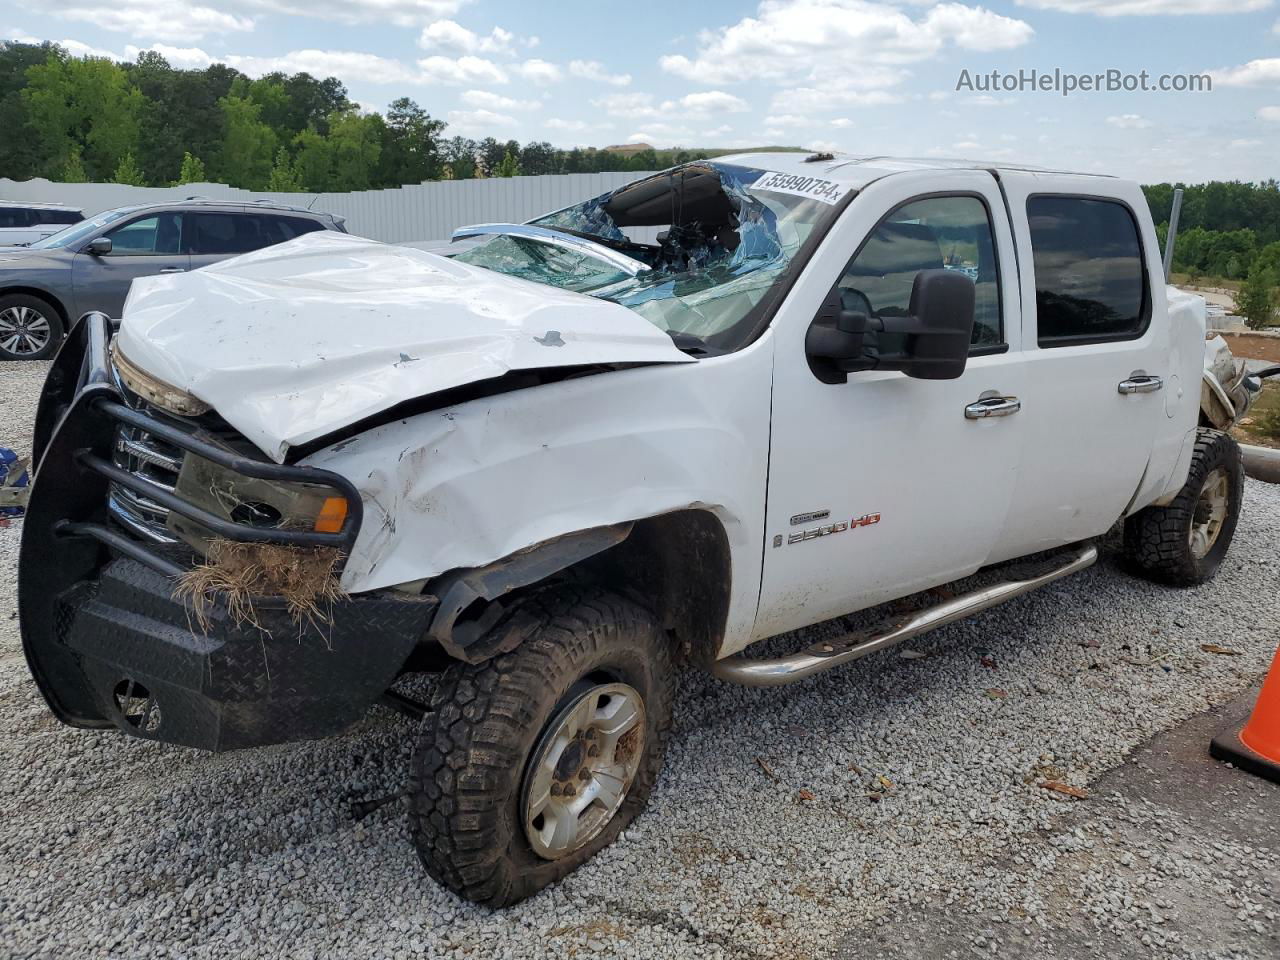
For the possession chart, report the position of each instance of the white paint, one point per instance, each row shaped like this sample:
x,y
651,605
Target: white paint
x,y
295,341
885,443
472,483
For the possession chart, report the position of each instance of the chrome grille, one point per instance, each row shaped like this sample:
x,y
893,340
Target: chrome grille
x,y
154,460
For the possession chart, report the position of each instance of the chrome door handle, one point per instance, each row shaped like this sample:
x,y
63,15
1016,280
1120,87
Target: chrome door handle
x,y
992,407
173,269
1141,384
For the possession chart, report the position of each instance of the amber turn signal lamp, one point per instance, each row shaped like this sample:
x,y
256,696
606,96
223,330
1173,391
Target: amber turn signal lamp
x,y
332,514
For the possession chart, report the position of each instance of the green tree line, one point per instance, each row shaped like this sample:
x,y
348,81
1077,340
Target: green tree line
x,y
75,119
1227,231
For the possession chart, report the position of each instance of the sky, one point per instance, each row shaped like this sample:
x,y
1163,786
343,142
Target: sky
x,y
868,78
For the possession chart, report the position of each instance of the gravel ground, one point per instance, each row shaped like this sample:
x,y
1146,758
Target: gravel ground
x,y
892,799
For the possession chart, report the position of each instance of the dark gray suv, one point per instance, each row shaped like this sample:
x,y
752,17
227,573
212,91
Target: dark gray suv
x,y
44,287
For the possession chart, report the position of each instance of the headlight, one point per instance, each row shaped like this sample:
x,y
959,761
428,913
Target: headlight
x,y
155,391
267,504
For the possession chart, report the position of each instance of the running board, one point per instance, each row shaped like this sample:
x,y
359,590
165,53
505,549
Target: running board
x,y
833,653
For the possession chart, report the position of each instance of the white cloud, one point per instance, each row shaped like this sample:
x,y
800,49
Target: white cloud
x,y
631,105
451,37
822,99
1129,121
461,71
402,13
842,122
712,101
347,65
786,120
1126,8
986,100
798,38
78,49
555,123
594,71
478,121
493,101
181,58
1253,73
1244,144
539,71
147,19
1270,114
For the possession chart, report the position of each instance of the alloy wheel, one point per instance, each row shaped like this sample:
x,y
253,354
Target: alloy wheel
x,y
582,767
24,331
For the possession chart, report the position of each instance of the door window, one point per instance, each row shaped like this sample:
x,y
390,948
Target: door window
x,y
158,235
932,233
1091,284
14,217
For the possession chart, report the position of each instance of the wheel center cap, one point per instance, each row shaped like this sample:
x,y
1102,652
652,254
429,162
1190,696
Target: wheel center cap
x,y
570,760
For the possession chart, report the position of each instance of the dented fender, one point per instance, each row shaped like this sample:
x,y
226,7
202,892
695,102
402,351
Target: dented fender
x,y
470,484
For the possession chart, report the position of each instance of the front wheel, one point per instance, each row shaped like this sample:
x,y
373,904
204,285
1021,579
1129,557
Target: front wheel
x,y
535,760
30,329
1183,543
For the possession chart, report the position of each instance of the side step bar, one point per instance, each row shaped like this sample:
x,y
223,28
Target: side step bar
x,y
827,654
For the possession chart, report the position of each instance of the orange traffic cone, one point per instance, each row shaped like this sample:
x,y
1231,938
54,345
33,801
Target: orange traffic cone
x,y
1256,748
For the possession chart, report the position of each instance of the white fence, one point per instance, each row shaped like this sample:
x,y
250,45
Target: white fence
x,y
420,211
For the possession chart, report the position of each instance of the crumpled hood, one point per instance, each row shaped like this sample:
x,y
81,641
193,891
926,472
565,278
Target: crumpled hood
x,y
293,342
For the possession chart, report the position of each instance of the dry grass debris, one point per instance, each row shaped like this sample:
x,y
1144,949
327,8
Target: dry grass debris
x,y
239,573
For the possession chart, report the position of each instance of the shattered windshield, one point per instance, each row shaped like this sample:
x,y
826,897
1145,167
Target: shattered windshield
x,y
714,240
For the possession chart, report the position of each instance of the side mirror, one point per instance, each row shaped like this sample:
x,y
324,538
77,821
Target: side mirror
x,y
99,246
934,336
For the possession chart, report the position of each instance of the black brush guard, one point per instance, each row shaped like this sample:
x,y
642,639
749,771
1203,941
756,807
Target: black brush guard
x,y
104,636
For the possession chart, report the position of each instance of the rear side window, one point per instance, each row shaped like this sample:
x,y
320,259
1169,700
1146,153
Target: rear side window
x,y
1091,284
14,217
280,229
58,216
227,233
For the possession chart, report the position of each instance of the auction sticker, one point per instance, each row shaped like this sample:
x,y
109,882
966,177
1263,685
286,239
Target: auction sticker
x,y
814,188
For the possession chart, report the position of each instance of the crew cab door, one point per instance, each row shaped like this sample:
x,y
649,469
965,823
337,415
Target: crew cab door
x,y
1096,347
145,245
883,486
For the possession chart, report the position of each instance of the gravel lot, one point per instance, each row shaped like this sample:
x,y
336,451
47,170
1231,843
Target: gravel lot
x,y
889,808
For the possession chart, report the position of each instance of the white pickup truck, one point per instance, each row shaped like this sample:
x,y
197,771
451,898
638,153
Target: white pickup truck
x,y
721,403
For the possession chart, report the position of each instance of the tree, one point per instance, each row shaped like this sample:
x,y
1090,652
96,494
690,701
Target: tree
x,y
248,145
540,158
508,167
411,145
19,153
284,178
192,170
313,161
129,173
86,102
1257,300
356,143
73,172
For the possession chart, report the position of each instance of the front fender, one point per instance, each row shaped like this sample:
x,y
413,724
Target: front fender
x,y
467,485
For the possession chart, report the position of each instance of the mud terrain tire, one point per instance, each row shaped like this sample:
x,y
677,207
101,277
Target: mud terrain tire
x,y
469,773
1158,541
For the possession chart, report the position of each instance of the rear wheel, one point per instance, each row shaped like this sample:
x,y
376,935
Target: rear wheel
x,y
1184,542
30,328
534,761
